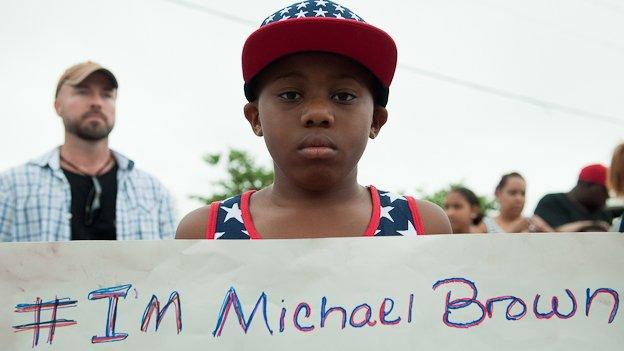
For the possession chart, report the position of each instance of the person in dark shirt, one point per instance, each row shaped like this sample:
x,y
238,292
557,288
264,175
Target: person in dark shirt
x,y
582,208
92,219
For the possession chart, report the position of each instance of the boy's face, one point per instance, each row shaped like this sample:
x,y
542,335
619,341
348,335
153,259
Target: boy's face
x,y
316,112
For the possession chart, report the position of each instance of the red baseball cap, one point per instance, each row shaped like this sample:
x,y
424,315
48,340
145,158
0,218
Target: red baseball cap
x,y
320,26
594,173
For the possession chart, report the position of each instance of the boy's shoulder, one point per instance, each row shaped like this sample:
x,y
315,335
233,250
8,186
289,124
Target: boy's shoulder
x,y
195,224
435,220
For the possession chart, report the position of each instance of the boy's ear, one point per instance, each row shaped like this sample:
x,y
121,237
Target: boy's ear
x,y
253,117
380,116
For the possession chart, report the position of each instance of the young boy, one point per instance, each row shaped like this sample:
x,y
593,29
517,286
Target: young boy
x,y
316,78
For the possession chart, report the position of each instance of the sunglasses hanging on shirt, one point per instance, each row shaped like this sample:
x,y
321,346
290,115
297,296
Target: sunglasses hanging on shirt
x,y
93,202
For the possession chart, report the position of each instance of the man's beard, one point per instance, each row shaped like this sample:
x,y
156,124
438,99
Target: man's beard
x,y
87,130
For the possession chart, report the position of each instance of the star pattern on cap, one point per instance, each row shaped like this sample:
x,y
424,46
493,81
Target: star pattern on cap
x,y
310,9
285,10
233,212
269,19
320,12
354,16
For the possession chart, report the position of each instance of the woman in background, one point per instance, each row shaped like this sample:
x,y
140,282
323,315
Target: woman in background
x,y
462,207
510,194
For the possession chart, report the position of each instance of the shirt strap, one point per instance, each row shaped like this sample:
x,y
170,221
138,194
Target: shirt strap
x,y
375,213
246,213
211,226
413,206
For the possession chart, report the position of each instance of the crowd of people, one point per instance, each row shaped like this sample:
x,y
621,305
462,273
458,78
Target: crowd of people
x,y
317,81
582,209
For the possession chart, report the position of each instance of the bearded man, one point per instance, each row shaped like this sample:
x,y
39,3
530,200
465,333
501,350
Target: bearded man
x,y
83,190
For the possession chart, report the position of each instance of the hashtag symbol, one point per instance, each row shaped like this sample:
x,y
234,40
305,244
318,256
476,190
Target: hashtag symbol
x,y
51,324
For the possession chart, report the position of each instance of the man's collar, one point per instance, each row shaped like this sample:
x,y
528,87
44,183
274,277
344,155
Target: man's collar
x,y
52,159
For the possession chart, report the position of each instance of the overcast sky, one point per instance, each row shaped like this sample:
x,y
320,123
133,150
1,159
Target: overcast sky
x,y
475,94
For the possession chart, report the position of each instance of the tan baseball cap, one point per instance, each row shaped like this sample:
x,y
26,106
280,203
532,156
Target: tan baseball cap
x,y
75,74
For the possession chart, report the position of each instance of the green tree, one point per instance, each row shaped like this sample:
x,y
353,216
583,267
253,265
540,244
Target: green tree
x,y
486,203
243,175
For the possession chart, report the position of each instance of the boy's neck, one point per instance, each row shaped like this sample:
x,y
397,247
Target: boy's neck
x,y
287,193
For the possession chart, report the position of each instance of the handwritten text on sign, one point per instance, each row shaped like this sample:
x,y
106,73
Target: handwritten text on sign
x,y
399,291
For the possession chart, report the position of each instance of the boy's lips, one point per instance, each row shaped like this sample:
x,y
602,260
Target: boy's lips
x,y
317,147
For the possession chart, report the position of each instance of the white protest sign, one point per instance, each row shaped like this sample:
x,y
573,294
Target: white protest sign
x,y
469,292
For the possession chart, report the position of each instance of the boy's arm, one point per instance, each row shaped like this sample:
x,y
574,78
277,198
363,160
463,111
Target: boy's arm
x,y
193,225
435,221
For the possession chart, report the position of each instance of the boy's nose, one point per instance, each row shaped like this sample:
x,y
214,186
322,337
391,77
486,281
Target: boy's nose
x,y
317,114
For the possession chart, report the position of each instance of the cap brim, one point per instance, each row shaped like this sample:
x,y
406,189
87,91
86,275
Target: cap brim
x,y
366,44
89,72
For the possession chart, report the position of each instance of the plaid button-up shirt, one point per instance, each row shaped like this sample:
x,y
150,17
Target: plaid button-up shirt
x,y
35,202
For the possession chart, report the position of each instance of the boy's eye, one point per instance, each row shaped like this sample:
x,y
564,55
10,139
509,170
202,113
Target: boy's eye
x,y
290,96
343,97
